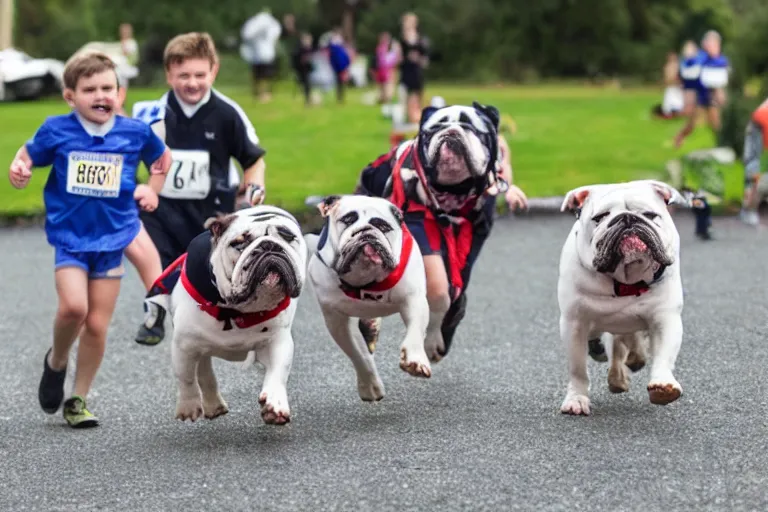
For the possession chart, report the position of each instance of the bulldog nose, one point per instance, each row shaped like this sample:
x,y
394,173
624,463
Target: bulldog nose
x,y
270,246
626,218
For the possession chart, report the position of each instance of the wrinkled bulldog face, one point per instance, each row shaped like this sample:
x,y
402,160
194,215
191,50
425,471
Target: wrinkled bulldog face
x,y
258,257
363,237
625,230
458,142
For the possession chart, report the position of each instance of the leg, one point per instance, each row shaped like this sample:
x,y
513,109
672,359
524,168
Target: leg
x,y
713,118
143,255
369,385
439,302
189,404
689,112
618,380
72,290
277,358
213,404
102,297
413,357
666,338
370,329
574,336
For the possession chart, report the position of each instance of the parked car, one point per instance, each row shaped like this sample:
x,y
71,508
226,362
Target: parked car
x,y
25,78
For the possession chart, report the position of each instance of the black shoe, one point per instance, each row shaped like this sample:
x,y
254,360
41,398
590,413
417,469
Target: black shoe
x,y
451,321
704,235
152,331
51,390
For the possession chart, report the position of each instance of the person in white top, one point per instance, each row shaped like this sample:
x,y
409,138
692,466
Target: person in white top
x,y
259,37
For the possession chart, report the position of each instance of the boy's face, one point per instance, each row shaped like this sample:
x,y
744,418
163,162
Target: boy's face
x,y
95,97
191,79
712,46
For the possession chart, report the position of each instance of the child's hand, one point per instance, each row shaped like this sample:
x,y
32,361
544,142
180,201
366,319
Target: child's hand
x,y
20,173
146,197
516,198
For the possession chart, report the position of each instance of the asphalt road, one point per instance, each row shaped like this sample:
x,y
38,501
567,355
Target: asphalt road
x,y
484,433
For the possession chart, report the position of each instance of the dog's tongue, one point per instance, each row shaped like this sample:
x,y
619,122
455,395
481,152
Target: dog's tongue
x,y
371,253
631,244
272,279
446,154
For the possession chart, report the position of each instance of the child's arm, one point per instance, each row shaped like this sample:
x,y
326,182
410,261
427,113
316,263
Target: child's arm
x,y
21,168
246,149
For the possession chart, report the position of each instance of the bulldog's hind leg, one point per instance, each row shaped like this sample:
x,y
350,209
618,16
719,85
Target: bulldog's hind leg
x,y
369,385
213,404
277,358
413,357
189,405
638,351
618,378
370,329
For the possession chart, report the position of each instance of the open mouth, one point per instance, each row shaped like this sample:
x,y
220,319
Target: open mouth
x,y
102,108
271,270
628,244
368,248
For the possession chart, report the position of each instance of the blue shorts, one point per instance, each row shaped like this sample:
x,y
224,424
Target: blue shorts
x,y
98,265
703,98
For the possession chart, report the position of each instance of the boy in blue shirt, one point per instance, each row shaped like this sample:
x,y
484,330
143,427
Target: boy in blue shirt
x,y
91,217
706,75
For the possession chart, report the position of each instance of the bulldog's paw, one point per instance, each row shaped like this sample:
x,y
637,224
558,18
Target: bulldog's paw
x,y
635,361
415,364
215,408
370,329
190,409
434,346
663,393
370,390
618,380
274,408
576,405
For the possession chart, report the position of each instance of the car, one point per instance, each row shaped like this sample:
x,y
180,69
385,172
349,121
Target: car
x,y
23,77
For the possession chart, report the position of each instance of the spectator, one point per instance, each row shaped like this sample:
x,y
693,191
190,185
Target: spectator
x,y
259,37
414,57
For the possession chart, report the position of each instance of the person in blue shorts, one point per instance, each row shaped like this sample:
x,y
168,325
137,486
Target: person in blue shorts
x,y
705,77
91,217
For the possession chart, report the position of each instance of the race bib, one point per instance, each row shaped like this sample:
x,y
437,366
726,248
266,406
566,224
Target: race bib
x,y
94,174
714,78
189,176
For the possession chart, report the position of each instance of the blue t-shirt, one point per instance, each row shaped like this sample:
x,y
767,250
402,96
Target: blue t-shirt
x,y
89,193
690,70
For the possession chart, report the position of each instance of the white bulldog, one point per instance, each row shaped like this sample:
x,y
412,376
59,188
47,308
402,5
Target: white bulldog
x,y
240,282
366,265
620,276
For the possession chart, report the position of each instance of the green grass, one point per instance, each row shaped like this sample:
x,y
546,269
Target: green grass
x,y
567,136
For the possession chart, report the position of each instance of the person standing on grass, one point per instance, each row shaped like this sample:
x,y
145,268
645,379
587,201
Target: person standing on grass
x,y
204,130
91,217
259,36
706,74
414,57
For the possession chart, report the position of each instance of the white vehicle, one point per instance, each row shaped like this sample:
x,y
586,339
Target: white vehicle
x,y
25,78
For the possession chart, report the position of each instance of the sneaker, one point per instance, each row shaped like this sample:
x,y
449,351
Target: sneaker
x,y
51,390
77,415
750,217
152,331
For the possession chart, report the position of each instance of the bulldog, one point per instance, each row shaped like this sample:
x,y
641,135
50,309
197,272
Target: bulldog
x,y
240,282
620,280
365,265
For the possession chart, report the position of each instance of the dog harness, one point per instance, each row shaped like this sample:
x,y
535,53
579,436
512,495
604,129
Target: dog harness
x,y
195,273
455,230
638,288
375,290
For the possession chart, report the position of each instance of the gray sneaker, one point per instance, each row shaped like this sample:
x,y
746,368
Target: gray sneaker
x,y
152,331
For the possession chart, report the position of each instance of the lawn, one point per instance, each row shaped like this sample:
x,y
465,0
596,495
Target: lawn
x,y
567,136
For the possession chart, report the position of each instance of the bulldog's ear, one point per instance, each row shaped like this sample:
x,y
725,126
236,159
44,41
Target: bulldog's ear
x,y
426,114
326,205
397,213
668,193
575,199
218,225
490,111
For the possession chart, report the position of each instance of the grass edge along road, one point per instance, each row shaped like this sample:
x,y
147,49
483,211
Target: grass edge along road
x,y
567,136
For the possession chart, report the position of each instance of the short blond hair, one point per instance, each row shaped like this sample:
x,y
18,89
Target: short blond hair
x,y
193,45
85,65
